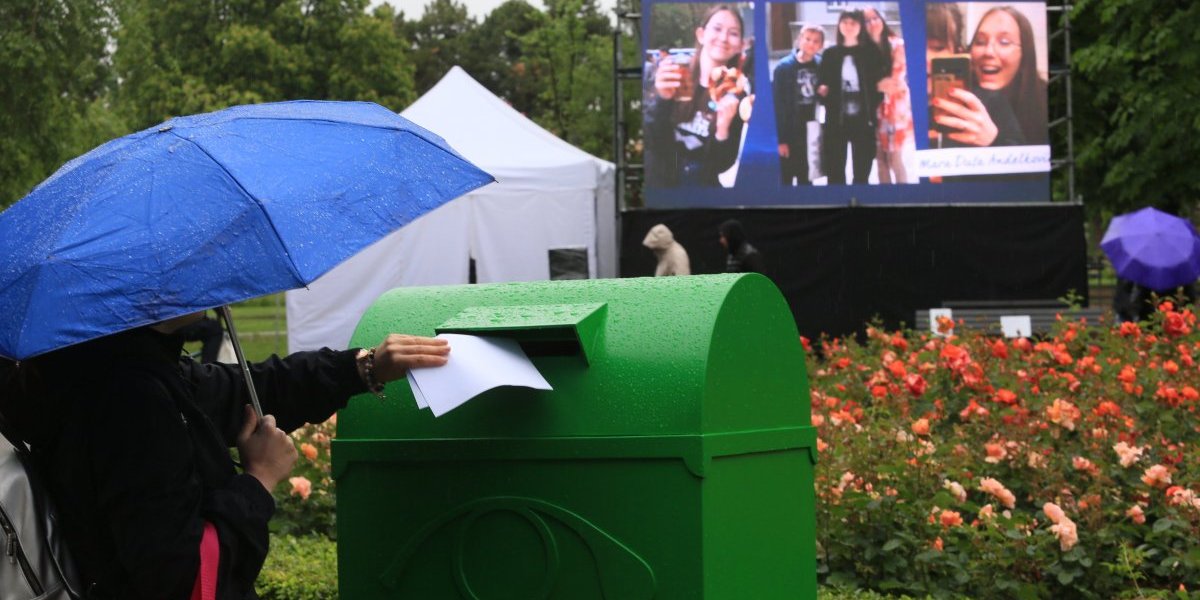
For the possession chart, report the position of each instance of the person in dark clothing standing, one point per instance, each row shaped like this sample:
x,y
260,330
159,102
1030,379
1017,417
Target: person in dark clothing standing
x,y
740,257
134,440
795,88
1133,302
208,332
849,79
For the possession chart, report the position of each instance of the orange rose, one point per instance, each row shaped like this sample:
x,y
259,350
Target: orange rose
x,y
301,486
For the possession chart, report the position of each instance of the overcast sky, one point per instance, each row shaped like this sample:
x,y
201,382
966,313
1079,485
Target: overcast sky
x,y
413,9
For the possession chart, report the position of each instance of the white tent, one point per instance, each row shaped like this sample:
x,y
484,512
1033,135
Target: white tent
x,y
548,195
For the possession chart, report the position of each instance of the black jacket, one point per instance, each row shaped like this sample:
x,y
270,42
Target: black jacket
x,y
795,93
682,147
741,257
138,457
870,67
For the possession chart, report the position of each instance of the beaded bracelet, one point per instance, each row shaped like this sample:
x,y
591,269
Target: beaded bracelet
x,y
369,375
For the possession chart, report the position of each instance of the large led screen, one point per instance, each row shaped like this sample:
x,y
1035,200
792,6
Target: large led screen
x,y
834,103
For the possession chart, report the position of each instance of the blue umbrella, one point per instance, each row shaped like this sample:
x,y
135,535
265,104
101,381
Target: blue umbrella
x,y
1153,249
211,209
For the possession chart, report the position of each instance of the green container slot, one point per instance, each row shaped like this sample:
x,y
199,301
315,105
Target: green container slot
x,y
541,330
675,460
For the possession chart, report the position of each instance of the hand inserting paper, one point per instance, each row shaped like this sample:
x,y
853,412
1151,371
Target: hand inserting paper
x,y
478,365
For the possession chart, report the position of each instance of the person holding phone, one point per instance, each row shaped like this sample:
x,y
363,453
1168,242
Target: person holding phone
x,y
1004,62
961,112
849,77
895,129
692,136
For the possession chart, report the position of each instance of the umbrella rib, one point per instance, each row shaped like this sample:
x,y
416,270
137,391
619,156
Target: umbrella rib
x,y
286,251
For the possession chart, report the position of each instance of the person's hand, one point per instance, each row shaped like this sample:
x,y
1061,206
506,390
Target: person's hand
x,y
783,151
727,107
266,450
746,108
667,78
888,85
822,90
967,117
398,353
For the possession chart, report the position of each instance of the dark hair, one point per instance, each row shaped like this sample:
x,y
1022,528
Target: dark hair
x,y
733,233
885,39
1026,93
857,15
944,21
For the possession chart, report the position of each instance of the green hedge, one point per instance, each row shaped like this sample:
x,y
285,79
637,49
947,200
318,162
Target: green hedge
x,y
299,568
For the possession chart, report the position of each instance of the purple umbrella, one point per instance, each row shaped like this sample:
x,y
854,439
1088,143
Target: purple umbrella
x,y
1153,249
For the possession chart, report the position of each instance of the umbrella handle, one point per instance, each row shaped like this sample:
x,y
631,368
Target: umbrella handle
x,y
227,316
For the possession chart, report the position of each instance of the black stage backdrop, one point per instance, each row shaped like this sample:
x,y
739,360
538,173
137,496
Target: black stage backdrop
x,y
841,267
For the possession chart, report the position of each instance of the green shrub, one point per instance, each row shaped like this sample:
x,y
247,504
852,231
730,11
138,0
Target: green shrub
x,y
299,568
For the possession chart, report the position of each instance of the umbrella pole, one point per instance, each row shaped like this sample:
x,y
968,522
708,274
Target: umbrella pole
x,y
227,316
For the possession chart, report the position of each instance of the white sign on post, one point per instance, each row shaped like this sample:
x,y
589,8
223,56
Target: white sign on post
x,y
934,313
1015,326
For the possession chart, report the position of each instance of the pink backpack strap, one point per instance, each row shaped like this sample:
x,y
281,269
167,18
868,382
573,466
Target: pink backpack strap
x,y
210,557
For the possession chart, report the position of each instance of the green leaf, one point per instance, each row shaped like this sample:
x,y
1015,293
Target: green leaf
x,y
1066,577
892,544
1162,525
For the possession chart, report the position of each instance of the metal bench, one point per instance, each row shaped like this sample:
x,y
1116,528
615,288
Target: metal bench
x,y
984,315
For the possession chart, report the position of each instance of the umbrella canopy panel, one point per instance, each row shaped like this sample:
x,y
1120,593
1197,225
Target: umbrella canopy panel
x,y
1153,248
211,209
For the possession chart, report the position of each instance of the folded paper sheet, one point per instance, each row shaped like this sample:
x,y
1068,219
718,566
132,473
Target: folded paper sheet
x,y
476,365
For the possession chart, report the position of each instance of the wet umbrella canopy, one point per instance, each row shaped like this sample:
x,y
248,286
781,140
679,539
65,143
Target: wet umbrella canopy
x,y
1153,249
211,209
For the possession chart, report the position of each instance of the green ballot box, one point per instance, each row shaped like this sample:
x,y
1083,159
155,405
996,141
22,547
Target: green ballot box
x,y
673,458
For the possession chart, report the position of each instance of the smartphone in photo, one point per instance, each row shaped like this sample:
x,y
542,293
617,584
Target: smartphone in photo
x,y
947,73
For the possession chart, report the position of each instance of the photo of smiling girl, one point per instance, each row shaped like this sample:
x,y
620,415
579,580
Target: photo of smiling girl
x,y
1004,101
700,98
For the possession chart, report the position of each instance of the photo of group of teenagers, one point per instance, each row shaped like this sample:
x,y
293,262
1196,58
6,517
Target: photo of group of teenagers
x,y
843,86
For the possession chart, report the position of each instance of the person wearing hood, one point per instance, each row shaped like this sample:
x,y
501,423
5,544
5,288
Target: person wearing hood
x,y
672,258
741,256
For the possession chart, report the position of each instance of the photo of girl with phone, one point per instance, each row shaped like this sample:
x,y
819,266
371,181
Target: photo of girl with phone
x,y
988,92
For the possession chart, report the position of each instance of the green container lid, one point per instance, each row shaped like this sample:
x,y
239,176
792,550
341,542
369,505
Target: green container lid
x,y
666,356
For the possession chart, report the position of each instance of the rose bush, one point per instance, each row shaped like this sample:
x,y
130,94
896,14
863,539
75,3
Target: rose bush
x,y
960,463
305,502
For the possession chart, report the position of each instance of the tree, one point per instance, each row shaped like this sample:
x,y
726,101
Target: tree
x,y
52,82
179,58
571,58
500,58
371,63
1136,115
440,40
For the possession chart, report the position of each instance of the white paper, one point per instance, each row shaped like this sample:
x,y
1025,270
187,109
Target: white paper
x,y
416,390
476,365
1015,326
934,313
